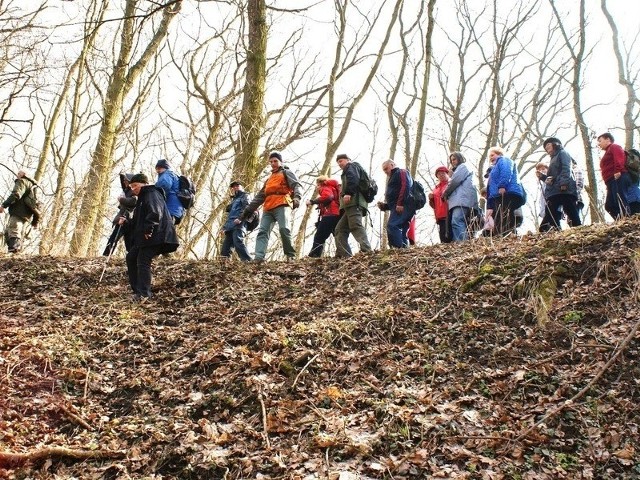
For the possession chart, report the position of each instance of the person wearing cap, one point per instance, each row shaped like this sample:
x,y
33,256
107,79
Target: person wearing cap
x,y
170,184
152,233
461,196
352,206
560,192
280,194
615,175
398,201
127,203
234,234
440,206
19,212
328,202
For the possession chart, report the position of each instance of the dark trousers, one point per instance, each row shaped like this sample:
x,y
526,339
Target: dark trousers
x,y
235,239
324,229
139,268
634,208
616,203
563,202
444,230
504,215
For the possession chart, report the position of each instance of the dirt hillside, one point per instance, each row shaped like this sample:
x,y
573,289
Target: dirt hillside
x,y
504,359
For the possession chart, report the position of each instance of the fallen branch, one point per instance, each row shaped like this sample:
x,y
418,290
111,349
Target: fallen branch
x,y
593,381
75,418
265,425
303,369
13,460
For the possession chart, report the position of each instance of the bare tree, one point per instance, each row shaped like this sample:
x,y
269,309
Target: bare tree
x,y
627,77
578,52
125,72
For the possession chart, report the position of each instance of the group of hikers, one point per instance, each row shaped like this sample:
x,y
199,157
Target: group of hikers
x,y
148,212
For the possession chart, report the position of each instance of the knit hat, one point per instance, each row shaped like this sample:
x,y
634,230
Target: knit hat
x,y
139,178
162,163
342,156
442,168
275,155
553,140
235,184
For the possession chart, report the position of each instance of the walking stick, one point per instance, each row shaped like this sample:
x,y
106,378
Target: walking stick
x,y
111,250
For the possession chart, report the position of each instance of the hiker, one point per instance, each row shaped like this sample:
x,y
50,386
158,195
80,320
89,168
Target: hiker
x,y
328,202
127,202
543,208
21,211
461,196
440,207
560,193
169,183
354,208
279,196
578,176
398,201
152,232
615,176
633,197
235,233
504,192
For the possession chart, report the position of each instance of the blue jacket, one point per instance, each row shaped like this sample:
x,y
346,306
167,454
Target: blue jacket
x,y
504,175
398,188
633,193
169,183
238,203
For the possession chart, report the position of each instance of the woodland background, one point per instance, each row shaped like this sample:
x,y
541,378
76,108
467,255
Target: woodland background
x,y
89,88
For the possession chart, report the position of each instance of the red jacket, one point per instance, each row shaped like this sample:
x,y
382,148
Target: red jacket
x,y
328,198
440,207
612,162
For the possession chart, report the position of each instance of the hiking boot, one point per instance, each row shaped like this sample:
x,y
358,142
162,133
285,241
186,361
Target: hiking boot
x,y
137,298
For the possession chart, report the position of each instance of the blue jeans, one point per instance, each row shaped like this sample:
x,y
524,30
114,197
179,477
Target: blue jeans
x,y
282,216
459,220
234,239
616,203
398,226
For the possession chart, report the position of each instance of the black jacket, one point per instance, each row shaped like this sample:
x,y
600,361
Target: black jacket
x,y
152,216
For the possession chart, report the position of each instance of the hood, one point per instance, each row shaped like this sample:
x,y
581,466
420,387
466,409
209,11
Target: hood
x,y
332,183
123,177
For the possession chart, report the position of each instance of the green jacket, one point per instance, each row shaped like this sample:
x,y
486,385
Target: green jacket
x,y
351,186
15,201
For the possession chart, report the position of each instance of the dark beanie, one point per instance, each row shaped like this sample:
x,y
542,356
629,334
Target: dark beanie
x,y
553,140
139,178
342,156
275,155
235,184
162,163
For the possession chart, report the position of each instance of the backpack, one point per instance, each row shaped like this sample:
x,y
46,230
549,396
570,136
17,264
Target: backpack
x,y
418,194
253,221
32,202
632,164
186,192
367,186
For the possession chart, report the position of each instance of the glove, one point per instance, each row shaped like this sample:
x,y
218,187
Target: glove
x,y
296,203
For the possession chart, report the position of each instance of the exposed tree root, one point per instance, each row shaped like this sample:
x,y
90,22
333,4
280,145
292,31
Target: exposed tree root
x,y
13,460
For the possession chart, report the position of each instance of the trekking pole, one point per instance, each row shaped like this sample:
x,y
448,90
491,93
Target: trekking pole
x,y
111,250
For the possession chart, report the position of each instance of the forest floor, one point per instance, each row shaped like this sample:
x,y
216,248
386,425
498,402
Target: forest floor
x,y
493,359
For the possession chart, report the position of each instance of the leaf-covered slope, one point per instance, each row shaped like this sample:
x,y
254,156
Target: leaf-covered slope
x,y
475,360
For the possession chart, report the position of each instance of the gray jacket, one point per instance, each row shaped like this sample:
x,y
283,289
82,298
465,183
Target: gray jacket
x,y
461,192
